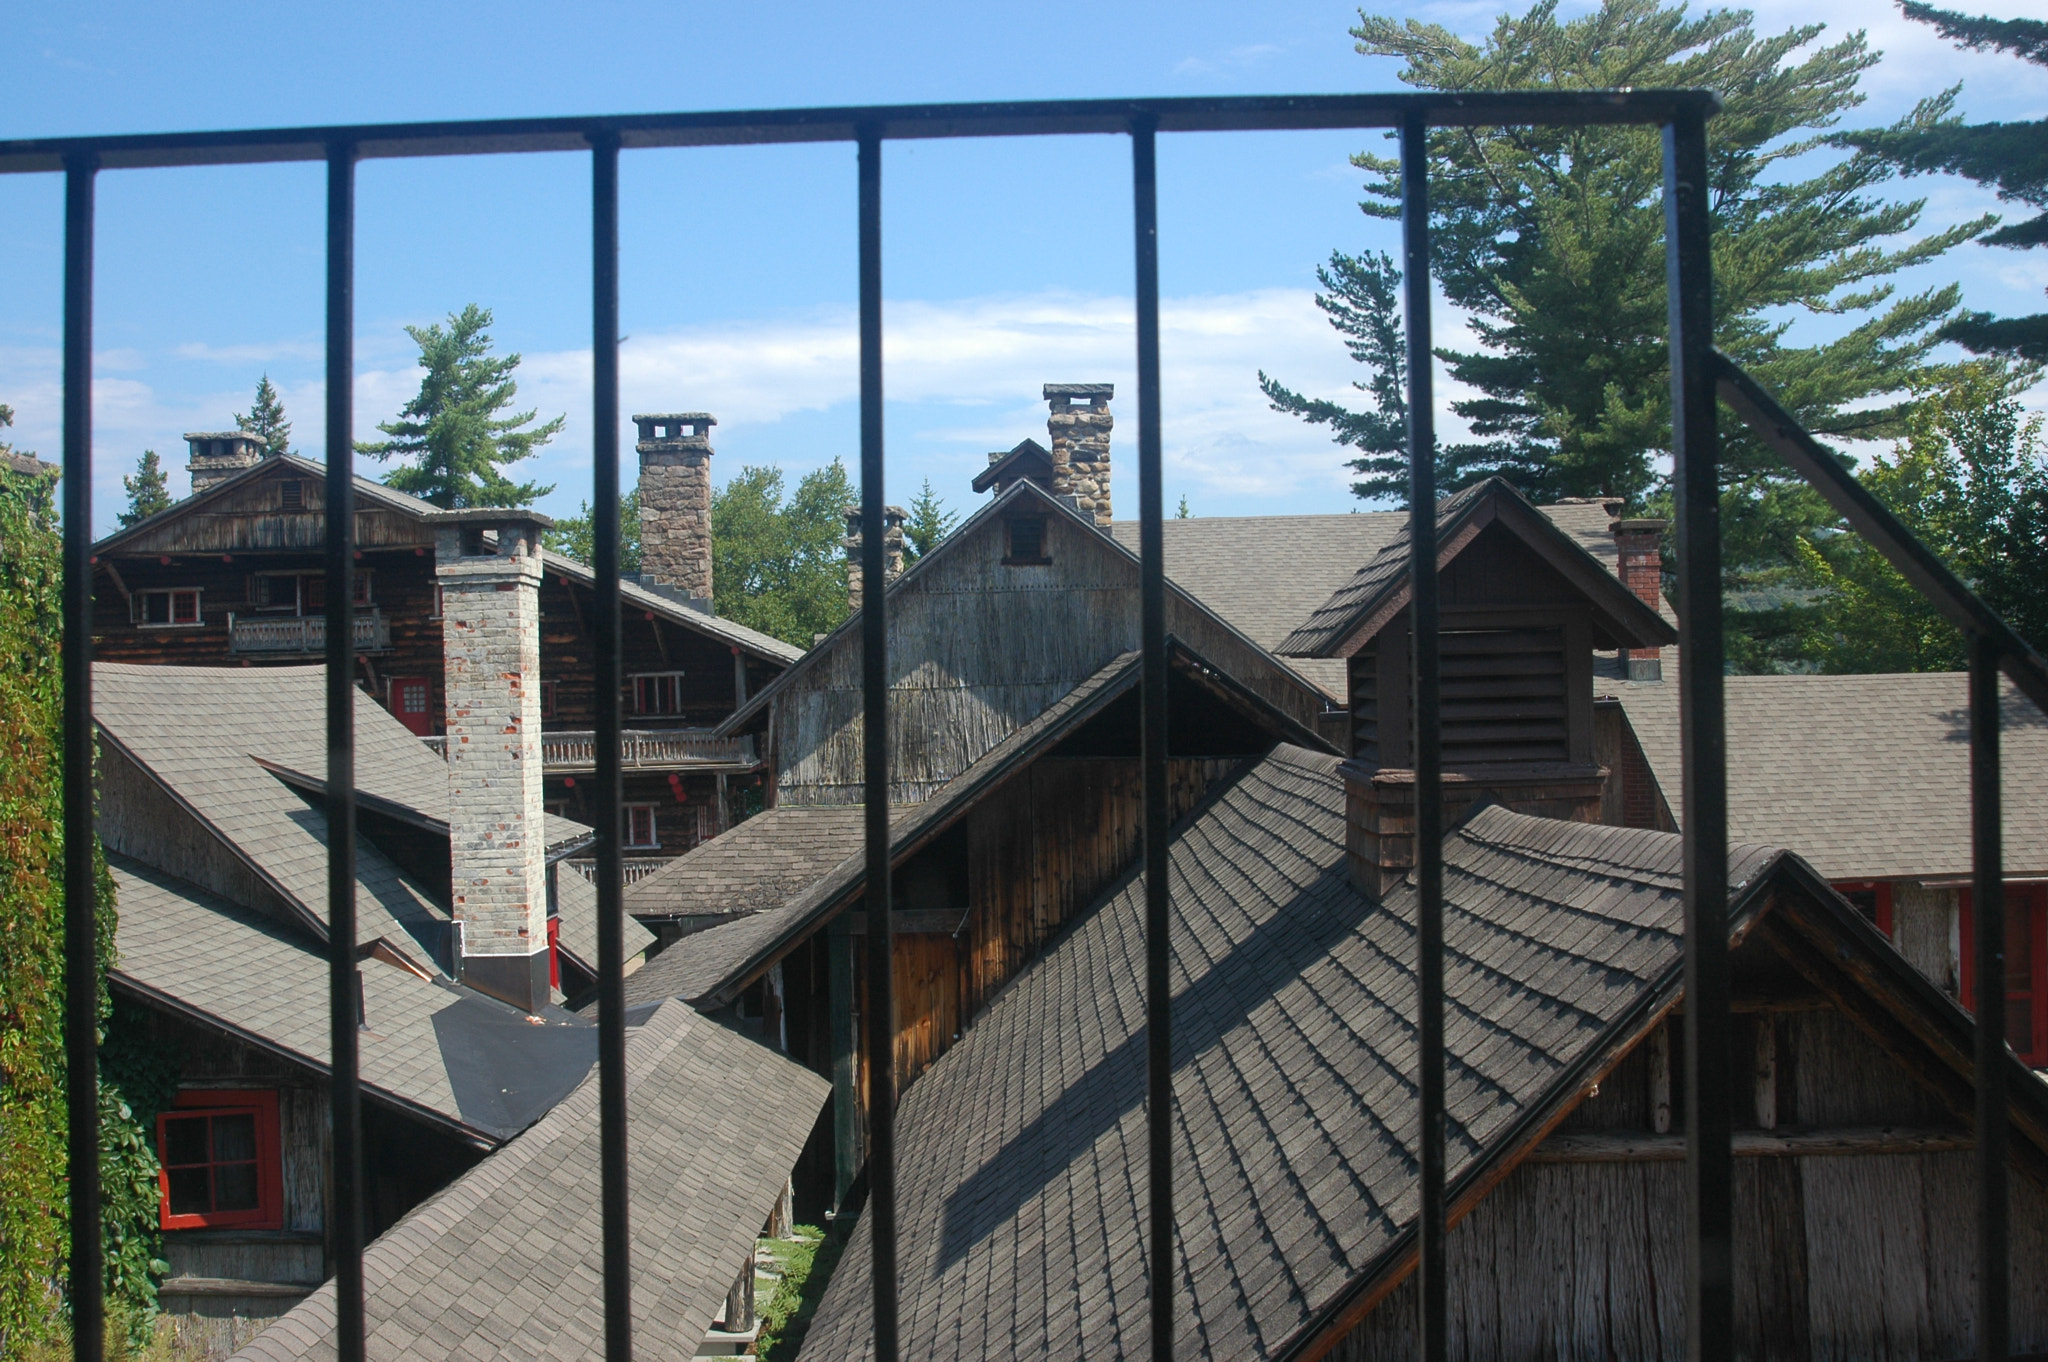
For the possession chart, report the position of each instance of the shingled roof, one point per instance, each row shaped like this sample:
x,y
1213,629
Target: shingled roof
x,y
506,1262
1381,583
1224,561
1023,1148
447,1054
1868,776
758,865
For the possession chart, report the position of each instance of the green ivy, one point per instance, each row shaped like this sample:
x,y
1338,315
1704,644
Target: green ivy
x,y
33,1208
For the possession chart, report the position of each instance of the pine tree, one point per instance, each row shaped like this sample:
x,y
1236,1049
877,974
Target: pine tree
x,y
452,428
929,523
1551,240
265,417
1182,512
148,491
2011,157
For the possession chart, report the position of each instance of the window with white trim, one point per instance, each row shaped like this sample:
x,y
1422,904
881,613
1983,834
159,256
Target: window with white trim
x,y
641,834
658,693
172,609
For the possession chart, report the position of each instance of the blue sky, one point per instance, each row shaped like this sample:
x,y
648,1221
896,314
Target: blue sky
x,y
1007,262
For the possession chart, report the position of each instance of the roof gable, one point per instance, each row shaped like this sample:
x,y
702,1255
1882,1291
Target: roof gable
x,y
246,513
1381,589
1029,459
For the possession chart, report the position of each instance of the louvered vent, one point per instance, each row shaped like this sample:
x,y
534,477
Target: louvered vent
x,y
1365,708
1504,696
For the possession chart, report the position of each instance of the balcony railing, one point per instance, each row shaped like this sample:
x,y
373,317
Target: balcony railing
x,y
639,749
303,634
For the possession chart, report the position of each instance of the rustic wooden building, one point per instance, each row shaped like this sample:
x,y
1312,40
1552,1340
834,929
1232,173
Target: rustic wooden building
x,y
1020,1185
232,577
217,842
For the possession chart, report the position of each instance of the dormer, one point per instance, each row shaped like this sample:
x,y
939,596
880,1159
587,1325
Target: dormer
x,y
1523,607
1030,461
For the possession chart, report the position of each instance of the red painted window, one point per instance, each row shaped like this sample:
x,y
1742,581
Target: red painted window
x,y
658,693
547,699
412,700
2026,968
221,1168
640,829
167,608
1873,899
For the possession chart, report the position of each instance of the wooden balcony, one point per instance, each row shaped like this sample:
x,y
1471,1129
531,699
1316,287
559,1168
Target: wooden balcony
x,y
674,749
298,635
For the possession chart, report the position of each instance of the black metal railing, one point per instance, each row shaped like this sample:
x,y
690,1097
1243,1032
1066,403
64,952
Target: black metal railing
x,y
1700,376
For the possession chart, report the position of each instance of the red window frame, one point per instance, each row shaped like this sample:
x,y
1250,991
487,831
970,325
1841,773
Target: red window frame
x,y
657,693
403,689
547,699
268,1213
2026,914
182,608
1872,898
634,813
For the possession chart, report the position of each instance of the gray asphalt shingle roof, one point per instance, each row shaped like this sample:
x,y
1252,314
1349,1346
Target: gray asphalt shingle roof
x,y
758,865
1866,777
427,1044
1022,1160
505,1262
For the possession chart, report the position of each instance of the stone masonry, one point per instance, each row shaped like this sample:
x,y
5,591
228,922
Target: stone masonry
x,y
490,640
675,501
893,518
1079,423
218,455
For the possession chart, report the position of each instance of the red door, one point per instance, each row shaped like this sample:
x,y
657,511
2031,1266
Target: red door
x,y
412,700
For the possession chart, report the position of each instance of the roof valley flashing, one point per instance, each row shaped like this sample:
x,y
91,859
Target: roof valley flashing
x,y
490,640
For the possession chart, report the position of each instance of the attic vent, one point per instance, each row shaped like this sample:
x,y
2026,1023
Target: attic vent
x,y
294,493
1026,542
1504,696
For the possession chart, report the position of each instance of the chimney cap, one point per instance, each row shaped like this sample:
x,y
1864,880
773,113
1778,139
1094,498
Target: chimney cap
x,y
701,418
250,436
491,515
1053,390
1645,526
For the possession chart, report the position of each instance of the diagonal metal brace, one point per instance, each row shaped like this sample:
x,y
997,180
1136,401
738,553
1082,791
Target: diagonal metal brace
x,y
1869,517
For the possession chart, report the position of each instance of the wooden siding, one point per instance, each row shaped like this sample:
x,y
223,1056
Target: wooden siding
x,y
1866,1255
977,649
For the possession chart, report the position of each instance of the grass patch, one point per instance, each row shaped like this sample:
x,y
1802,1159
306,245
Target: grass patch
x,y
806,1258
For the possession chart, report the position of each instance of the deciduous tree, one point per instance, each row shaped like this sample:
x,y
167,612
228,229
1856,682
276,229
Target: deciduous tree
x,y
779,566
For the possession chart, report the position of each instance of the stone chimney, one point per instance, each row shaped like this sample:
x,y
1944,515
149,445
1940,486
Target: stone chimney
x,y
1079,424
675,505
1642,571
893,518
218,455
488,564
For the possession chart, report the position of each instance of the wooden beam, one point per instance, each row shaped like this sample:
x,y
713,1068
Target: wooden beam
x,y
1592,1147
914,922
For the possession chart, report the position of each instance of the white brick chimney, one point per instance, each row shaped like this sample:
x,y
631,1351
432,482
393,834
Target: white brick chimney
x,y
675,505
488,565
1079,423
218,455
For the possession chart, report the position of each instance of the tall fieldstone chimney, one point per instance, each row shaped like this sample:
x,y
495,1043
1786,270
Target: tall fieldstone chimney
x,y
675,505
488,564
893,518
218,455
1079,423
1640,544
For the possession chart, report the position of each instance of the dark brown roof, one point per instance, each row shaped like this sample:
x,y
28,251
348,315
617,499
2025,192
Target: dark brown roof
x,y
505,1262
760,864
1381,583
1022,1151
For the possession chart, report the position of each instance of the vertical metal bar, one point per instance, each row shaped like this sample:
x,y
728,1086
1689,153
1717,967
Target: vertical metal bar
x,y
611,972
1429,802
1153,740
874,680
81,955
1987,846
343,982
1710,1300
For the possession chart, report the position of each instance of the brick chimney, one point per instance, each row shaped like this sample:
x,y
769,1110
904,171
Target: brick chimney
x,y
1642,571
675,505
218,455
488,564
1079,423
893,518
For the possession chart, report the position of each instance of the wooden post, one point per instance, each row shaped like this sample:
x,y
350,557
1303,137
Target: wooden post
x,y
1766,1073
1660,1079
739,1301
845,1101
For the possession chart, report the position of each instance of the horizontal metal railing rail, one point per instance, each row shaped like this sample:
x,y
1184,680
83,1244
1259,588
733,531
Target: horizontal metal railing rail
x,y
1699,378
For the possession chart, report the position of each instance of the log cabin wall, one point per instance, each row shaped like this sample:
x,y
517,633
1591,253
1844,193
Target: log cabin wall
x,y
1863,1253
978,648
